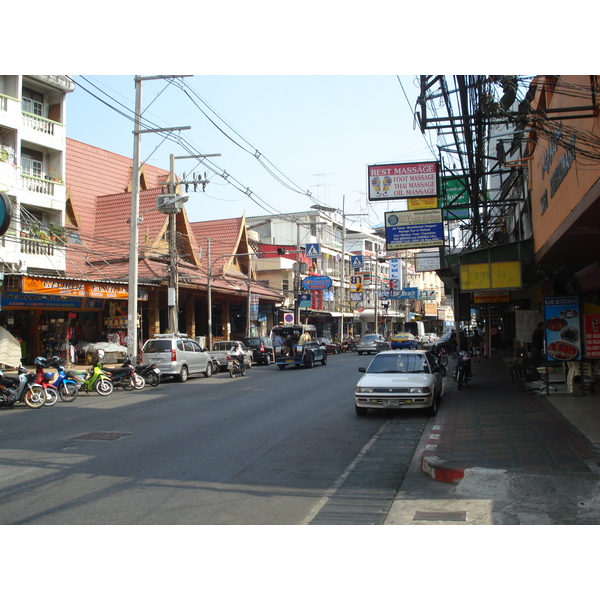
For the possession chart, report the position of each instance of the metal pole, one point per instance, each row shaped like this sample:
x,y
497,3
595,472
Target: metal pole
x,y
173,272
343,268
209,294
297,276
375,298
132,296
248,322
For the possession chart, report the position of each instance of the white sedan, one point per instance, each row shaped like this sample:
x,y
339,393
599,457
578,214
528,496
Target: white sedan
x,y
399,379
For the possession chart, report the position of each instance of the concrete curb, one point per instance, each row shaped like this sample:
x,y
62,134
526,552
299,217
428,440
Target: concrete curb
x,y
436,468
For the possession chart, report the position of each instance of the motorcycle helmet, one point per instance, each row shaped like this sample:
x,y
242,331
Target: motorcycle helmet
x,y
41,361
100,355
55,361
127,361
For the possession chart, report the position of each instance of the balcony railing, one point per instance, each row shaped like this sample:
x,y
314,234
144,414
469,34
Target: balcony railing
x,y
38,247
39,123
38,185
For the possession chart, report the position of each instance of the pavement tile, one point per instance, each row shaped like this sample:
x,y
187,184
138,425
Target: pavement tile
x,y
496,423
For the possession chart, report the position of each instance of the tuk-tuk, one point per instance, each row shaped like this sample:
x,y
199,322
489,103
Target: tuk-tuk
x,y
295,349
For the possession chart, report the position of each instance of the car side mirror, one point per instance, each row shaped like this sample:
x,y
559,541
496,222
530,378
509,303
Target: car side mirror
x,y
362,370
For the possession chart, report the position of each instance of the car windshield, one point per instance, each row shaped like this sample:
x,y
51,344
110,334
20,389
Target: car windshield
x,y
157,346
368,338
399,363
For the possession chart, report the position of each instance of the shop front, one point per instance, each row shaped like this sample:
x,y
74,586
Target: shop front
x,y
59,317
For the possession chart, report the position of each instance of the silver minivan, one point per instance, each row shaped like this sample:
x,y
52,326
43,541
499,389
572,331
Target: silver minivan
x,y
175,354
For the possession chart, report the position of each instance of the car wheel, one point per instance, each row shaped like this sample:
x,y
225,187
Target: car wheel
x,y
281,367
324,359
311,362
268,360
208,371
360,353
183,374
360,410
432,410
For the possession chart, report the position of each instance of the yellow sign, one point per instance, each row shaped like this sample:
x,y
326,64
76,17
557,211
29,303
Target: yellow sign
x,y
490,276
422,203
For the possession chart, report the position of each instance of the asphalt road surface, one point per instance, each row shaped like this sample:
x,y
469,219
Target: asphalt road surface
x,y
273,447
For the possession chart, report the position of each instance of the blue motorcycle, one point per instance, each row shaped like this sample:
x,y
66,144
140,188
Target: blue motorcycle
x,y
66,382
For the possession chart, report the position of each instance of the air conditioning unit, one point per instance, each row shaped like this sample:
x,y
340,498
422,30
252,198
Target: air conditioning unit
x,y
170,203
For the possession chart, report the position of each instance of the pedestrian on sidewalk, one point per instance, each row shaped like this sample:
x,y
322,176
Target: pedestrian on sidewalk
x,y
476,345
537,346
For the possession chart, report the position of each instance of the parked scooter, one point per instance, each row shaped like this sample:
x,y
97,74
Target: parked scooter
x,y
462,373
43,378
66,381
96,379
22,389
125,377
149,373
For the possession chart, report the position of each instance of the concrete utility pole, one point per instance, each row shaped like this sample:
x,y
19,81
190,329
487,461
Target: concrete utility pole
x,y
172,207
132,301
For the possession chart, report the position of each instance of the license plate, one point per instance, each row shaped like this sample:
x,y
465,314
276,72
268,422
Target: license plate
x,y
157,371
392,403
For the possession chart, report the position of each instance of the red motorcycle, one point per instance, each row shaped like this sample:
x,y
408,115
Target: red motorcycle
x,y
43,378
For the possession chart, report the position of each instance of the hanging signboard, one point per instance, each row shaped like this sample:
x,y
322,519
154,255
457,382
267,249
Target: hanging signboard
x,y
411,180
454,197
562,330
503,275
414,229
428,262
317,282
592,336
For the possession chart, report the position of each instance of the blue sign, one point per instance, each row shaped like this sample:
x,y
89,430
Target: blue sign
x,y
317,282
411,293
357,261
414,229
313,250
304,300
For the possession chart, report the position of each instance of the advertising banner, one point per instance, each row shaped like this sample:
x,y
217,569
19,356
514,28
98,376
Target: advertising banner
x,y
592,336
317,282
454,194
561,322
414,229
490,276
412,180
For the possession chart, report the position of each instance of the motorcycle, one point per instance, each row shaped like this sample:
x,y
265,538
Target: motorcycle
x,y
125,377
236,366
348,345
66,381
43,378
441,358
150,373
215,365
22,389
96,380
462,373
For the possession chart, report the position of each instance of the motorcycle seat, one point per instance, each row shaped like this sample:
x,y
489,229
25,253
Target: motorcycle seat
x,y
117,371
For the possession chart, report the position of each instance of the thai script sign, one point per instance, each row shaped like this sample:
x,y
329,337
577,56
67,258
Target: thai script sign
x,y
561,328
317,282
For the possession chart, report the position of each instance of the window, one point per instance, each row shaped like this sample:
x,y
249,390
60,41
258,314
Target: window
x,y
33,102
31,166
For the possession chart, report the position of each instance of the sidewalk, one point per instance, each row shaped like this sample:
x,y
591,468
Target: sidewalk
x,y
496,423
500,452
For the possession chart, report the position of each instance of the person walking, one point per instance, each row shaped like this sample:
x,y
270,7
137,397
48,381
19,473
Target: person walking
x,y
537,346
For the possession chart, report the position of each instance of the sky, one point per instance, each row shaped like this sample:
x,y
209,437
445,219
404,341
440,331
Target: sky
x,y
312,133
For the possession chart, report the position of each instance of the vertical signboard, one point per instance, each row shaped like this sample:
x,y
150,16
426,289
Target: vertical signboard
x,y
562,328
592,336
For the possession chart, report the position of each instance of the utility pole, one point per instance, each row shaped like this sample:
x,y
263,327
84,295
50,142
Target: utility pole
x,y
209,292
132,301
172,205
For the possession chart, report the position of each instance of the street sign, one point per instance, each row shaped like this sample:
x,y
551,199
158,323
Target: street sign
x,y
357,261
317,282
313,251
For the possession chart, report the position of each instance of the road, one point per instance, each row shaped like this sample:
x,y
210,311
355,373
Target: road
x,y
273,447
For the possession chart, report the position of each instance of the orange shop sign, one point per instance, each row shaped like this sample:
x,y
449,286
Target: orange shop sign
x,y
63,287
